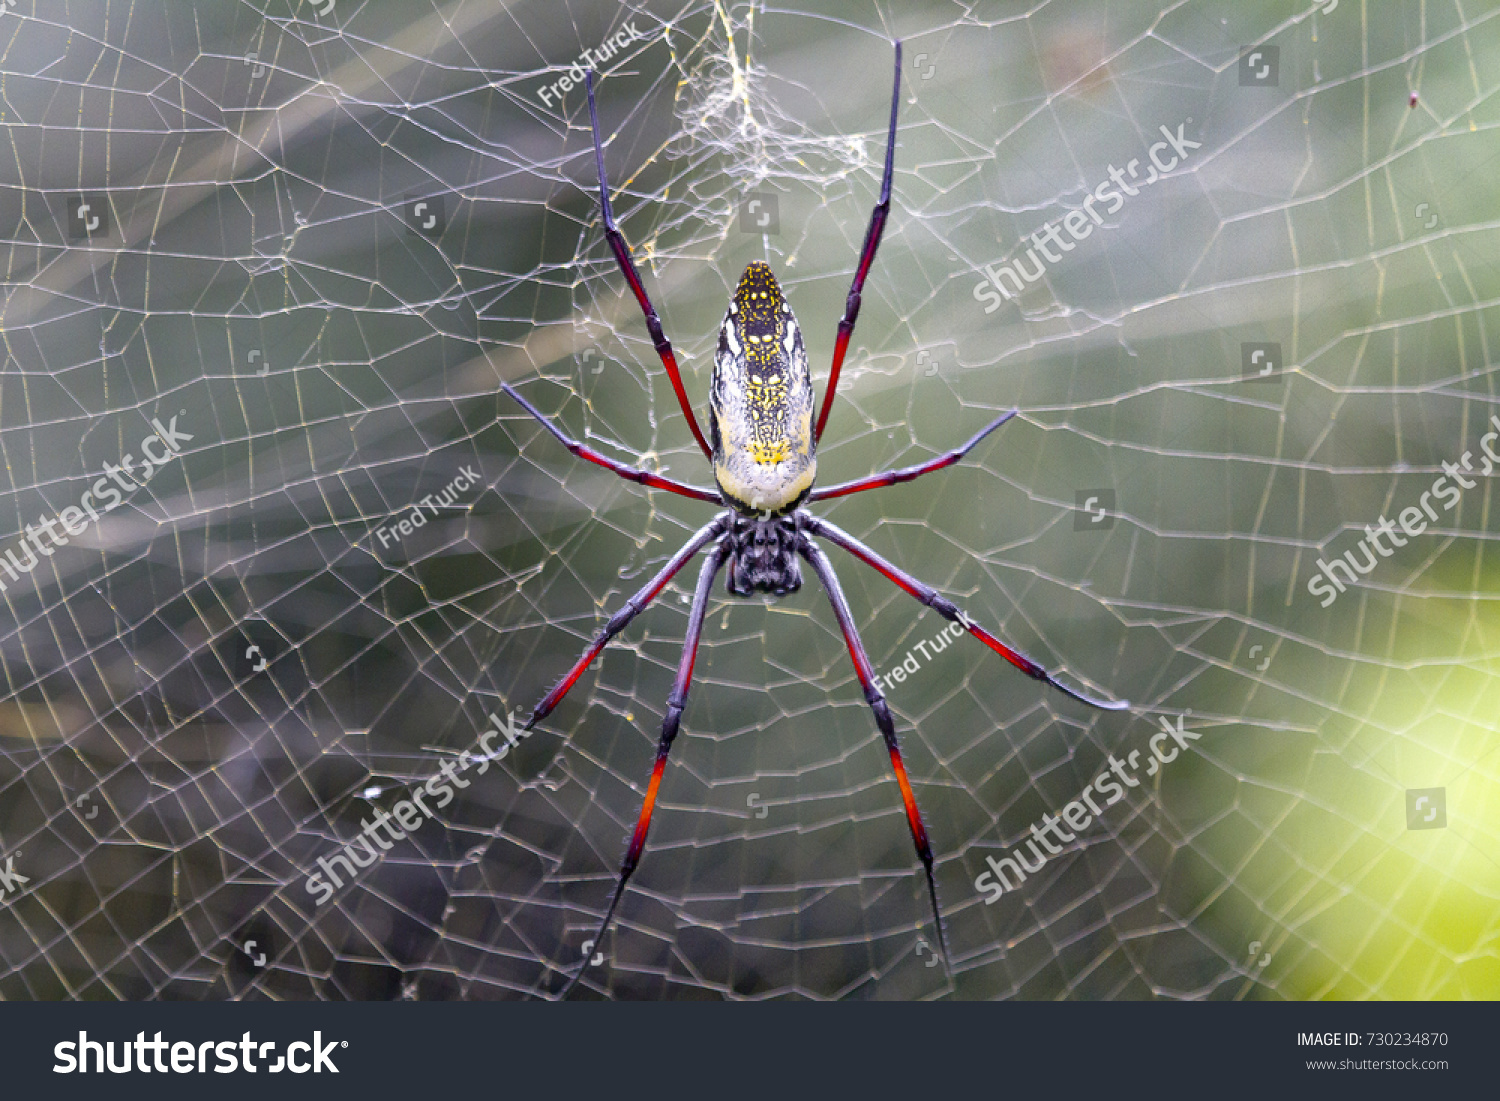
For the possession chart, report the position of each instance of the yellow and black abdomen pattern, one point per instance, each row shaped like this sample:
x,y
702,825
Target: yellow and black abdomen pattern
x,y
761,401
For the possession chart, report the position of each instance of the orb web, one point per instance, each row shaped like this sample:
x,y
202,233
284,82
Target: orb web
x,y
326,236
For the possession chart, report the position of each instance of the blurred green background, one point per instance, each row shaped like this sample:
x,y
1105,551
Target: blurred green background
x,y
263,276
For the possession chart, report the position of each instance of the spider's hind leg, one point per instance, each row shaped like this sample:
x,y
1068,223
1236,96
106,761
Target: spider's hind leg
x,y
622,617
873,696
951,612
676,702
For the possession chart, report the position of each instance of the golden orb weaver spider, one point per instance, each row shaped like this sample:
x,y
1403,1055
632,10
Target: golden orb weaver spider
x,y
763,456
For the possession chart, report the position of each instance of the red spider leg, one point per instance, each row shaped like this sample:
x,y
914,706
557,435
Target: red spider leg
x,y
622,256
632,608
892,477
629,473
866,258
819,562
948,610
675,704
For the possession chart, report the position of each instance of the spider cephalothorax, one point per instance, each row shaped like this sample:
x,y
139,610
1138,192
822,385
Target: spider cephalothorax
x,y
764,442
763,556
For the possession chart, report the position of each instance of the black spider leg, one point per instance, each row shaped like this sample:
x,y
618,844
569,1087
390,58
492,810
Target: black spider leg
x,y
866,258
629,473
948,610
892,477
621,250
675,704
819,562
632,608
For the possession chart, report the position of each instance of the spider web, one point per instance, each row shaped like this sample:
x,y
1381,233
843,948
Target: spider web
x,y
215,684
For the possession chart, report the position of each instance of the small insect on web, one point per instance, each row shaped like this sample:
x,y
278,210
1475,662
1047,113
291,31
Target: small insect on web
x,y
763,452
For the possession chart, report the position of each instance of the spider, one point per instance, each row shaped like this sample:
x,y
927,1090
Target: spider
x,y
763,451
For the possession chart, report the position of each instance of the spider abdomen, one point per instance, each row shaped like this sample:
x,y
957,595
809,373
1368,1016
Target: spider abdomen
x,y
761,402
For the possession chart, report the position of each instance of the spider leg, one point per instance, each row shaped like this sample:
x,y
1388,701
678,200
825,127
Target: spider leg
x,y
629,473
632,608
819,562
627,266
866,258
676,702
892,477
948,610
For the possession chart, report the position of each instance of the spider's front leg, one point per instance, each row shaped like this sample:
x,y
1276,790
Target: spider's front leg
x,y
873,234
629,473
621,250
910,473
